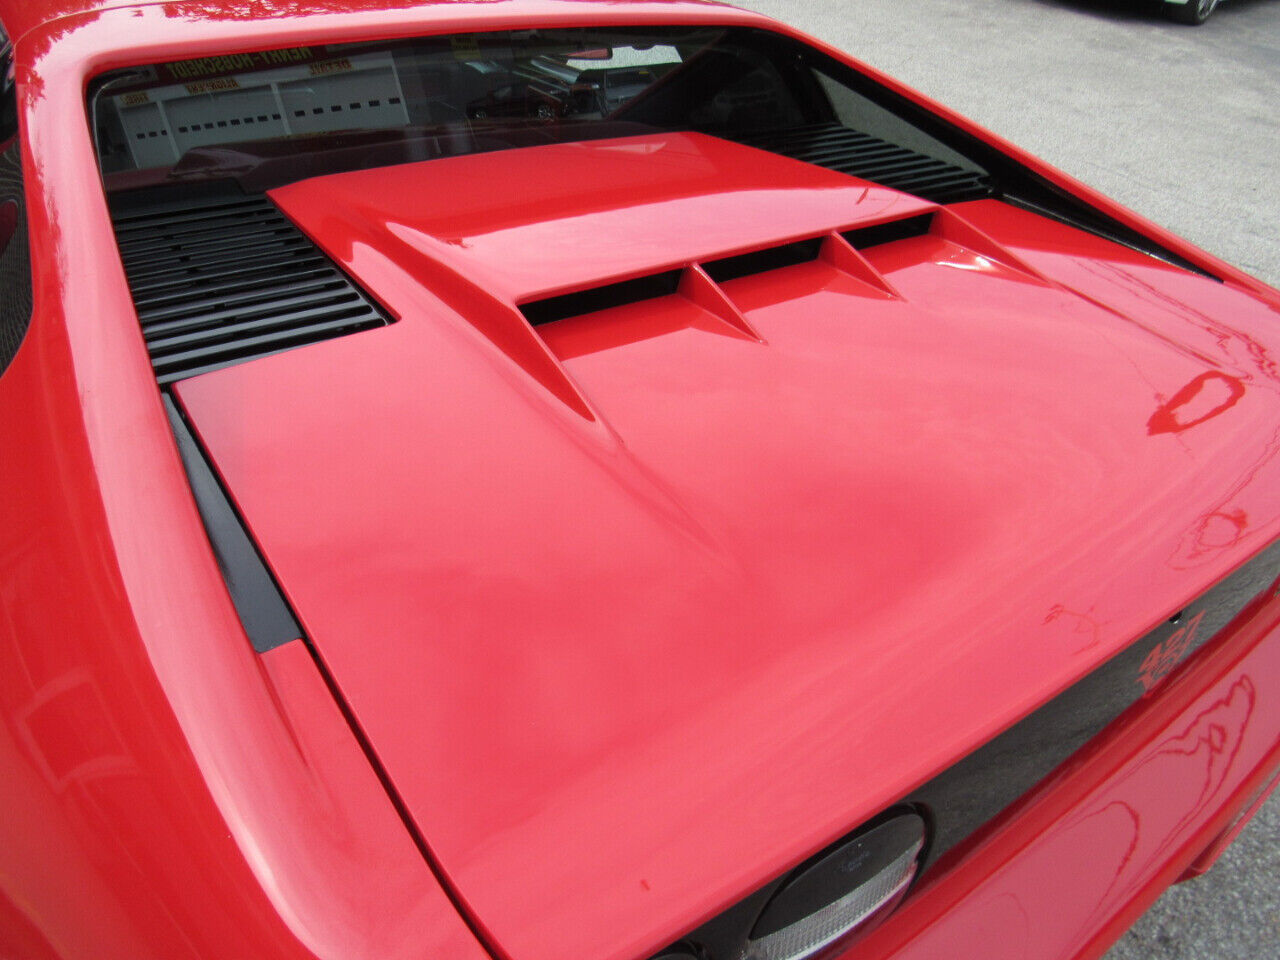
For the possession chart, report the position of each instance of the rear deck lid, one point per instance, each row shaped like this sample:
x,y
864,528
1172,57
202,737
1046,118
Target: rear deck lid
x,y
643,602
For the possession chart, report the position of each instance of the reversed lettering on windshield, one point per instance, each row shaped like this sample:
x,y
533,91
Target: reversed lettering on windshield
x,y
233,63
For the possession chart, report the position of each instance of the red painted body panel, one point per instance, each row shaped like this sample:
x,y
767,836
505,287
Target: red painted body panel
x,y
180,785
1212,853
748,580
1067,872
258,831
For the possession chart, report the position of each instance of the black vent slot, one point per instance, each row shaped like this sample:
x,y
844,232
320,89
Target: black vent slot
x,y
222,280
760,261
602,298
866,237
861,155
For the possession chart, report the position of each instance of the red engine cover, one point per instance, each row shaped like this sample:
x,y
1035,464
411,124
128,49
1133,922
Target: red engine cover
x,y
640,608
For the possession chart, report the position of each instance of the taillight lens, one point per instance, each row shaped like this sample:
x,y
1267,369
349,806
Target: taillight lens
x,y
840,892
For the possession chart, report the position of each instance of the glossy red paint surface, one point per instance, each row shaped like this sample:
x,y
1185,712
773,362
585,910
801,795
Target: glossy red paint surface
x,y
166,793
1067,872
204,802
719,607
259,830
559,226
483,240
1212,853
22,16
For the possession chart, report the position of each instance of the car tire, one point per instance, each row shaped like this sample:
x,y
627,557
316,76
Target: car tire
x,y
1193,12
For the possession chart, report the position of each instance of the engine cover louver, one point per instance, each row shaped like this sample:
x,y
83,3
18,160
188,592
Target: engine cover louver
x,y
868,158
841,248
220,280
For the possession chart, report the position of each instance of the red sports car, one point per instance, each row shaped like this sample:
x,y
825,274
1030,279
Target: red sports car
x,y
747,512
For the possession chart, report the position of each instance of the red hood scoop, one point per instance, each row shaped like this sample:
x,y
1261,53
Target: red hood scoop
x,y
530,224
514,237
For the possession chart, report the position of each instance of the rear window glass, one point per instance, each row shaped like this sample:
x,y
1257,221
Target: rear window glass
x,y
270,117
450,92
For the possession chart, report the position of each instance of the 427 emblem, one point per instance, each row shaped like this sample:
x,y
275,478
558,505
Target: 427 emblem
x,y
1169,653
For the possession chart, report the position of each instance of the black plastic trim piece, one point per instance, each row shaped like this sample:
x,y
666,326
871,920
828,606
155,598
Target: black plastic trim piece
x,y
1052,203
219,278
268,621
611,295
861,155
762,261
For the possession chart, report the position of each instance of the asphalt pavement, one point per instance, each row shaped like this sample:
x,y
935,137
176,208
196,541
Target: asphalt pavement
x,y
1181,124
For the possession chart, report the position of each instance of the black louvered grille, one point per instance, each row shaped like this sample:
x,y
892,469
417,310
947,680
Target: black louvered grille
x,y
224,280
861,155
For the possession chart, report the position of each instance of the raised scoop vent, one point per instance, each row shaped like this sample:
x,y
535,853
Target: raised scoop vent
x,y
866,237
760,261
701,280
710,282
602,298
861,155
223,280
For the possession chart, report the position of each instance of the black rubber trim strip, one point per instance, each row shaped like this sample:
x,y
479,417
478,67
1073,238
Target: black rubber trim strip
x,y
268,621
1100,225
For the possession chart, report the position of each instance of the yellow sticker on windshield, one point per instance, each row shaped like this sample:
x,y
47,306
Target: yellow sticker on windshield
x,y
331,66
213,86
465,48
